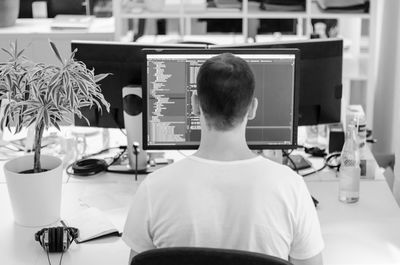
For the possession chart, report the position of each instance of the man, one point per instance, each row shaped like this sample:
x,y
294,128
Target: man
x,y
225,196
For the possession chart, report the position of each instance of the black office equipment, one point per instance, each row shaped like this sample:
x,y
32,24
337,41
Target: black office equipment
x,y
125,62
320,77
336,138
168,121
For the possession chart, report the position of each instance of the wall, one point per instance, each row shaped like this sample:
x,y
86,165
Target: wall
x,y
387,92
387,81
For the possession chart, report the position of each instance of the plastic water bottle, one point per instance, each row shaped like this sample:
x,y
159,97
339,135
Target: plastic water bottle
x,y
349,173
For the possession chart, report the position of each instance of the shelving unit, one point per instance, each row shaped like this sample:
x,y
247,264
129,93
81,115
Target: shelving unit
x,y
359,57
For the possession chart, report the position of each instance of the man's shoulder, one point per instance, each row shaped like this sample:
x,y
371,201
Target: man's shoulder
x,y
172,169
261,166
278,171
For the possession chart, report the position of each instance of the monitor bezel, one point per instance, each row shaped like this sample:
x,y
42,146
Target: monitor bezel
x,y
295,52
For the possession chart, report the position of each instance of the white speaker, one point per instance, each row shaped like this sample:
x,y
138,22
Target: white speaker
x,y
133,104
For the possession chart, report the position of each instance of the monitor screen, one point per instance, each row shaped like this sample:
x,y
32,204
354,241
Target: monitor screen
x,y
124,62
320,62
168,121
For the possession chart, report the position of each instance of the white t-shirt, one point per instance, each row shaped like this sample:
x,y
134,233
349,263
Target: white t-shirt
x,y
255,205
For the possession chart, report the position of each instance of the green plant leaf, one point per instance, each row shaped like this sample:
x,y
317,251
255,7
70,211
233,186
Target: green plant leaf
x,y
99,77
21,52
9,53
15,48
55,50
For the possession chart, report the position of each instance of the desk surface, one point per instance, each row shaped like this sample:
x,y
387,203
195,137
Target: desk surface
x,y
364,233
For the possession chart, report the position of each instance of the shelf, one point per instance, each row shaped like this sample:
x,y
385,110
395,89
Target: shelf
x,y
214,13
218,39
147,14
255,12
275,15
316,12
274,38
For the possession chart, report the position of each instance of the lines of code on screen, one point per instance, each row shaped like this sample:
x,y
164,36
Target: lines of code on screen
x,y
171,82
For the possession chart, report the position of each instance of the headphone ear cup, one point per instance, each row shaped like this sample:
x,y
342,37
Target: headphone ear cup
x,y
60,238
67,232
51,239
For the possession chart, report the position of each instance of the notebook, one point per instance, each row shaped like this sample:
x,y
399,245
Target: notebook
x,y
92,224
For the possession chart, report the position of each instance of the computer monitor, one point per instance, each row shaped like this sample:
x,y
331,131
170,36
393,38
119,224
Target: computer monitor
x,y
320,77
170,81
124,61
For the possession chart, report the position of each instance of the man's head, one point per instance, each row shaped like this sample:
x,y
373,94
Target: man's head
x,y
225,89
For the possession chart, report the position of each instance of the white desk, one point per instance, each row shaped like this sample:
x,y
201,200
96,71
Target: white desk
x,y
364,233
35,33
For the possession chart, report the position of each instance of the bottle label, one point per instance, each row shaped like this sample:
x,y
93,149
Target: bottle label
x,y
349,179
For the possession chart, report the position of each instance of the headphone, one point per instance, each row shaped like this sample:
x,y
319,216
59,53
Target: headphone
x,y
56,239
333,160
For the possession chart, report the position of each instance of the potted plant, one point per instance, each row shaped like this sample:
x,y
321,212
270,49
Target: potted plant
x,y
40,95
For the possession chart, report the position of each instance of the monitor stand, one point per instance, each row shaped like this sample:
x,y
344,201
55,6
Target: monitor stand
x,y
128,165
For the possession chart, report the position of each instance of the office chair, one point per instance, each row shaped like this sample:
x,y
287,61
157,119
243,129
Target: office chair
x,y
204,256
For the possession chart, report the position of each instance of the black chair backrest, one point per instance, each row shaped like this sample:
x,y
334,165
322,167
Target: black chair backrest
x,y
204,256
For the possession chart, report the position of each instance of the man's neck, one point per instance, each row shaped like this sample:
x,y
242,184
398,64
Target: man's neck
x,y
224,145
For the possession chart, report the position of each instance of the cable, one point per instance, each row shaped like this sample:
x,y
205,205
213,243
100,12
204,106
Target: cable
x,y
48,258
90,166
290,159
327,163
115,119
313,172
62,254
136,151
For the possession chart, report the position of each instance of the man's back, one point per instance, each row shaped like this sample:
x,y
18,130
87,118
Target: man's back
x,y
254,204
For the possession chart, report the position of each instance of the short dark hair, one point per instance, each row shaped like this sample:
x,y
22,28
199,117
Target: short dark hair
x,y
225,88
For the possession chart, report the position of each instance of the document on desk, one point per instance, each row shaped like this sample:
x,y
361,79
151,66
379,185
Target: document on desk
x,y
92,224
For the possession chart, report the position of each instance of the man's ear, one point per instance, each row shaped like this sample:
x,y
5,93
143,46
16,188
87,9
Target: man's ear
x,y
252,109
195,104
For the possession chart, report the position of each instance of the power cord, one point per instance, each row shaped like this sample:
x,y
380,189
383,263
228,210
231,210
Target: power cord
x,y
287,155
48,257
136,151
330,161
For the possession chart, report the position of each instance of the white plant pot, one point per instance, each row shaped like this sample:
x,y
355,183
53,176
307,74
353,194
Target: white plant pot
x,y
154,5
35,197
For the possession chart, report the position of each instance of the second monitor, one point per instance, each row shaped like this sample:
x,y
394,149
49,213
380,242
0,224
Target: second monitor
x,y
170,81
320,88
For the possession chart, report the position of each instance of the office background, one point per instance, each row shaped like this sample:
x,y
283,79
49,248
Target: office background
x,y
376,88
367,232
